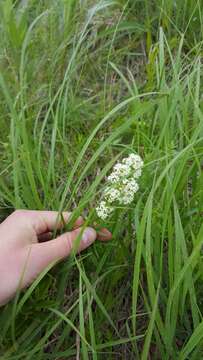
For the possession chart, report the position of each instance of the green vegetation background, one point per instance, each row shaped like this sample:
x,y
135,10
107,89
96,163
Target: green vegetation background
x,y
82,83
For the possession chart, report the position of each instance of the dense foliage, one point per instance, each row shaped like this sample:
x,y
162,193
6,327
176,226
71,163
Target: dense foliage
x,y
82,84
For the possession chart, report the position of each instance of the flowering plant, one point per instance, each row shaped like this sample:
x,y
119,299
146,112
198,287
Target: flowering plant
x,y
121,185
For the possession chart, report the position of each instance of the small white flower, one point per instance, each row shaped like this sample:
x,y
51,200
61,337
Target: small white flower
x,y
122,185
103,210
122,169
111,194
129,188
113,178
137,173
134,161
126,199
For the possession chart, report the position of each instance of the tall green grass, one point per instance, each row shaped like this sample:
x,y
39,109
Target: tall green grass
x,y
82,84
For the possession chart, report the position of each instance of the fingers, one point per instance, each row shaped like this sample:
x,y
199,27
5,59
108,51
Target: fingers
x,y
44,221
44,253
104,234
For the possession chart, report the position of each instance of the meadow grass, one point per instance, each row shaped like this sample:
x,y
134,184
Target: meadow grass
x,y
84,83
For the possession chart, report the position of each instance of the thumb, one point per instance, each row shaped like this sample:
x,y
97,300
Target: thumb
x,y
42,254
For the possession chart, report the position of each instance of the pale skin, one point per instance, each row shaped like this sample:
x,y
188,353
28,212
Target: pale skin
x,y
26,249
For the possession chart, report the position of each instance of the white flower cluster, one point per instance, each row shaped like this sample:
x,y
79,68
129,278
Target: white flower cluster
x,y
121,185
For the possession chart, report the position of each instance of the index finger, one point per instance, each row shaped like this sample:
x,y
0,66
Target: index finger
x,y
45,221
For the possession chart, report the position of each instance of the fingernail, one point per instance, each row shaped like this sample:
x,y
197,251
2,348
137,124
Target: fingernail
x,y
89,235
102,233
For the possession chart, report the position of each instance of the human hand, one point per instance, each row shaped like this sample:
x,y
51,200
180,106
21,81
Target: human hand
x,y
23,255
